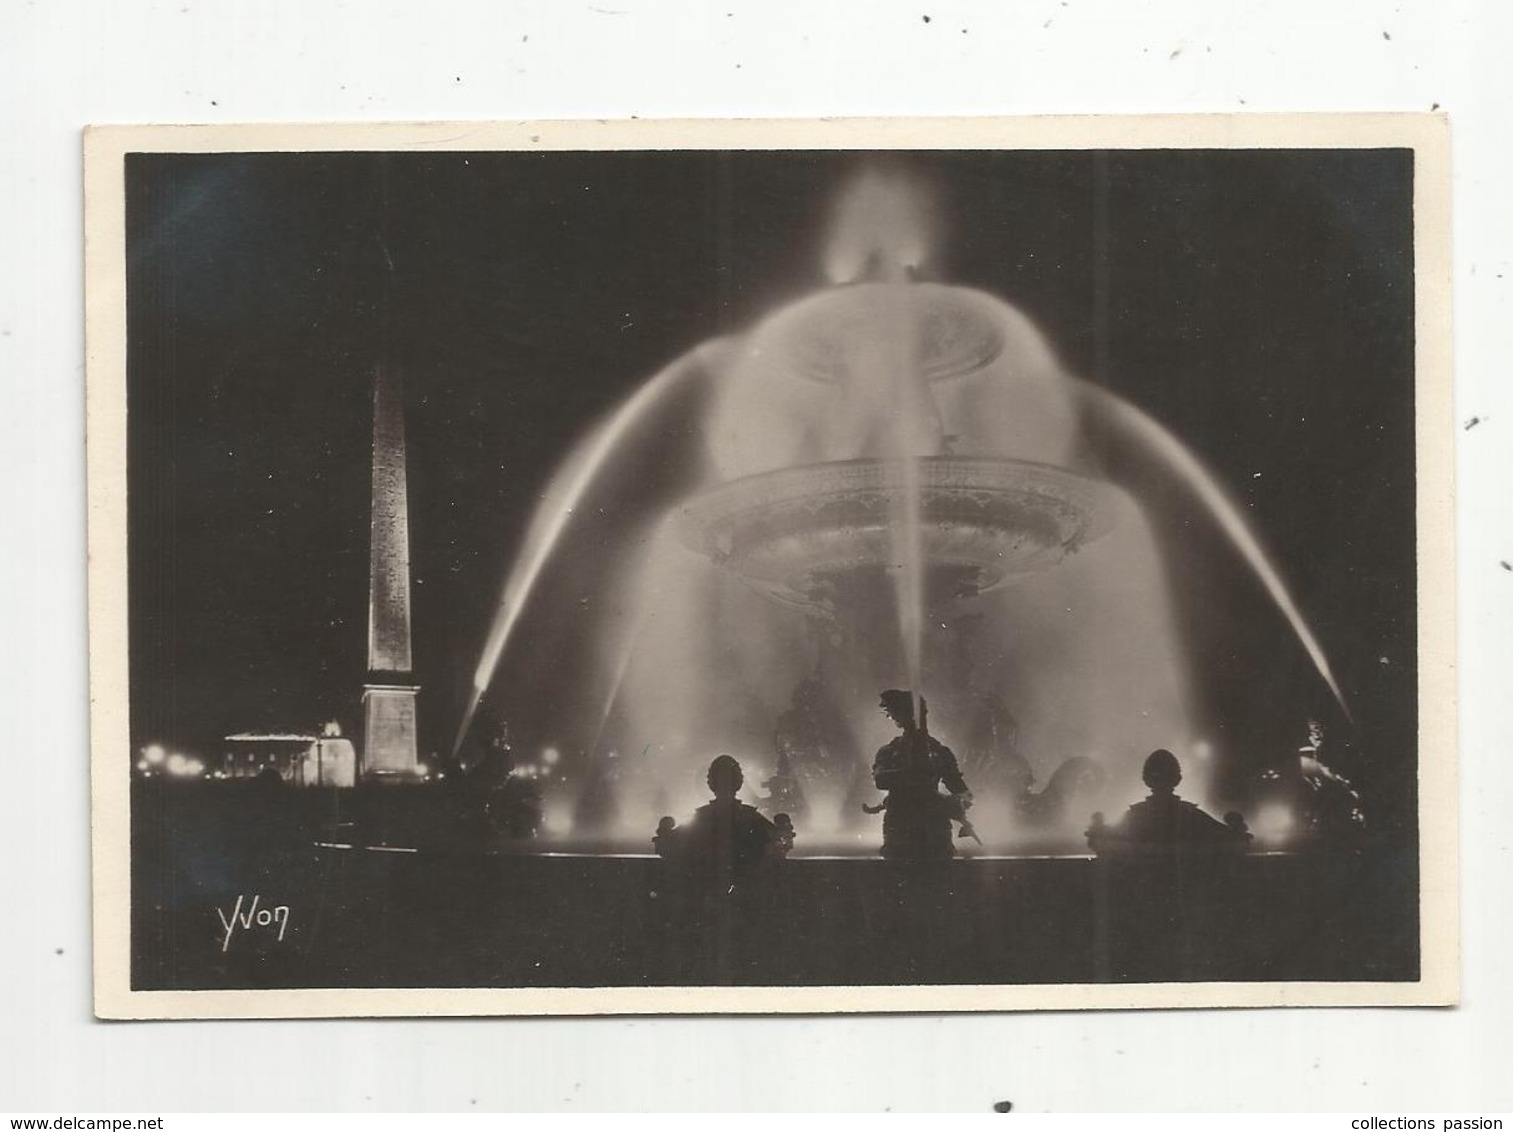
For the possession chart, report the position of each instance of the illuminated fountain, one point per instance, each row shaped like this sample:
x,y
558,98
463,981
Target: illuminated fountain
x,y
894,488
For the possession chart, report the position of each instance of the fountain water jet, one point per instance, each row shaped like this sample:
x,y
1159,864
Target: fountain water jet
x,y
1157,439
552,515
630,636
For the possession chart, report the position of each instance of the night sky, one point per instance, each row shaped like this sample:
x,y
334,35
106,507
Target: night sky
x,y
1258,304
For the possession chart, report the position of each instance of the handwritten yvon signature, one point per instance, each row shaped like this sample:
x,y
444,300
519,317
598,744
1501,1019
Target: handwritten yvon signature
x,y
252,917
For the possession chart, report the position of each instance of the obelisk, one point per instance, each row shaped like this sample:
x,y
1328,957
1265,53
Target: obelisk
x,y
389,750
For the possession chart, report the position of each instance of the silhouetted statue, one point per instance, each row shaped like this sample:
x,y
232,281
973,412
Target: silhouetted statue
x,y
1163,822
1000,770
1333,805
1324,803
816,741
727,839
1078,779
990,742
665,840
1235,820
786,835
911,769
784,793
512,803
492,768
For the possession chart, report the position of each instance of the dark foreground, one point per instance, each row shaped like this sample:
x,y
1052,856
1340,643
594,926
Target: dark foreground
x,y
445,915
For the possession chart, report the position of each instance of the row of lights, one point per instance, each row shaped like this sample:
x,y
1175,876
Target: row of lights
x,y
542,769
155,760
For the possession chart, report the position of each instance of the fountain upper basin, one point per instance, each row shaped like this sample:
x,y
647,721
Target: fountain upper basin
x,y
957,331
797,533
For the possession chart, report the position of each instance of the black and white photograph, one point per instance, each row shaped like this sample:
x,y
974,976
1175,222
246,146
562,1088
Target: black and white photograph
x,y
769,567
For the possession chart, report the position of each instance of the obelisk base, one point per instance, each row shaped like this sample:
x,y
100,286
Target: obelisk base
x,y
389,751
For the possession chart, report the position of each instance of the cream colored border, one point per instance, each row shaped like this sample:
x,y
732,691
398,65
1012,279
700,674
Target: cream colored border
x,y
1427,135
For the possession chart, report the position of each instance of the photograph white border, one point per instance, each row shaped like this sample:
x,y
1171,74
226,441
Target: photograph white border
x,y
1427,134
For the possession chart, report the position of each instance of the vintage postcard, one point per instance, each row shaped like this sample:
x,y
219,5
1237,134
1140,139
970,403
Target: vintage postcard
x,y
688,567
